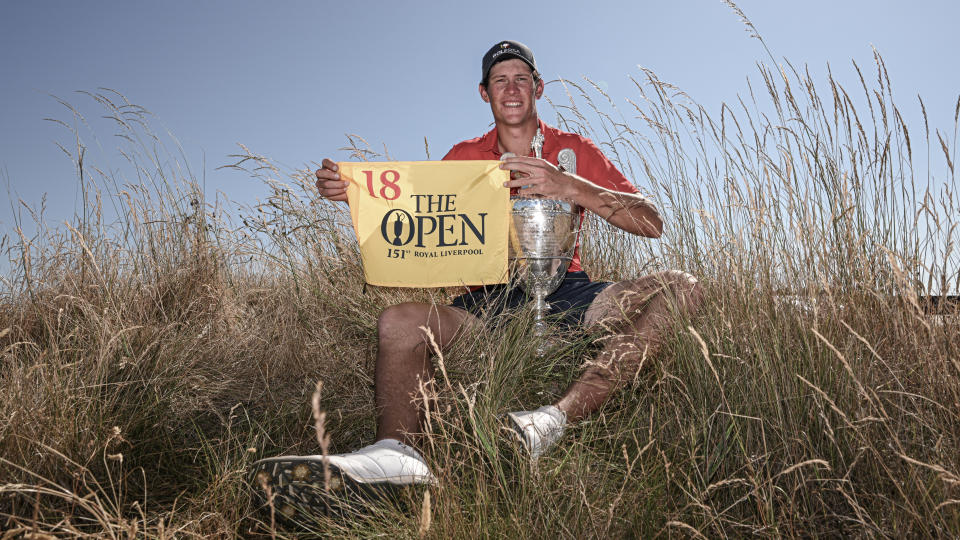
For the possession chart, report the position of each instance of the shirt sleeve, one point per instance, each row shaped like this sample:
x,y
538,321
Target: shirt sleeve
x,y
599,170
453,154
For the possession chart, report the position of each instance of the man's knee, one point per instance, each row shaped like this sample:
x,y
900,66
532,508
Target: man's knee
x,y
413,324
400,325
684,290
680,291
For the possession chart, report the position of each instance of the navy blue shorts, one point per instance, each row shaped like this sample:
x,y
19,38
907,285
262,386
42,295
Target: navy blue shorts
x,y
567,304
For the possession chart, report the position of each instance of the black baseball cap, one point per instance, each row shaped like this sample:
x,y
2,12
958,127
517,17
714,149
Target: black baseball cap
x,y
502,51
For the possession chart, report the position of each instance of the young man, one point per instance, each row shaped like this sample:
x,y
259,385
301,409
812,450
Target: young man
x,y
635,315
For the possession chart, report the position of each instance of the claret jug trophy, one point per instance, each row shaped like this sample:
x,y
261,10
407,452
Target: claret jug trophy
x,y
543,235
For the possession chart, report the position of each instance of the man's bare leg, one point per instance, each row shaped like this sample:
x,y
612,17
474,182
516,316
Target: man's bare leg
x,y
404,362
637,314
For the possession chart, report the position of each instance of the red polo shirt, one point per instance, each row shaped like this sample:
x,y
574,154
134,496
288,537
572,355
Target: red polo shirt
x,y
592,165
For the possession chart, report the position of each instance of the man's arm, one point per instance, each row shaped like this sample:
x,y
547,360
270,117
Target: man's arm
x,y
631,212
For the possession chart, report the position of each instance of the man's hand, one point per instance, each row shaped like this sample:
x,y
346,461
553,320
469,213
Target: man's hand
x,y
329,183
540,177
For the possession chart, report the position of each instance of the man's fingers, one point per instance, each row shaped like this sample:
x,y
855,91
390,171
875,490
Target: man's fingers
x,y
523,182
327,174
328,171
524,159
327,184
515,164
328,164
332,189
333,194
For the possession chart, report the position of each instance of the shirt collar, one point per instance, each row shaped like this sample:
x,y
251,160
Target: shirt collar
x,y
549,139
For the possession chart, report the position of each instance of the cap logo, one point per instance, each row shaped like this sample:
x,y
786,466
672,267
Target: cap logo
x,y
504,45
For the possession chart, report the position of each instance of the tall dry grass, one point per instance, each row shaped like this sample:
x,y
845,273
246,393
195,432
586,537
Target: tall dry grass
x,y
149,358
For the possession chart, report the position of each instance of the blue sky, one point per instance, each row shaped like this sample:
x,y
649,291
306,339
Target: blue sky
x,y
290,79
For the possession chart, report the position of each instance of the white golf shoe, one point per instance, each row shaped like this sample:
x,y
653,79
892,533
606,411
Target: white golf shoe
x,y
539,429
298,482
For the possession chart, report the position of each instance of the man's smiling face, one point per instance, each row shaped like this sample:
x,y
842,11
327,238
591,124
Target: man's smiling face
x,y
512,92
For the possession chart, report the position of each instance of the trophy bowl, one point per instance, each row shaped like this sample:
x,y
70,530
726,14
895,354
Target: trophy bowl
x,y
543,235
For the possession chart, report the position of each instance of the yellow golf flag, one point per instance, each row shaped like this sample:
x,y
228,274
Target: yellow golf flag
x,y
430,223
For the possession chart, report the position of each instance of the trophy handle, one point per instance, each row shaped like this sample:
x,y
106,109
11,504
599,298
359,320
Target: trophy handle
x,y
567,160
